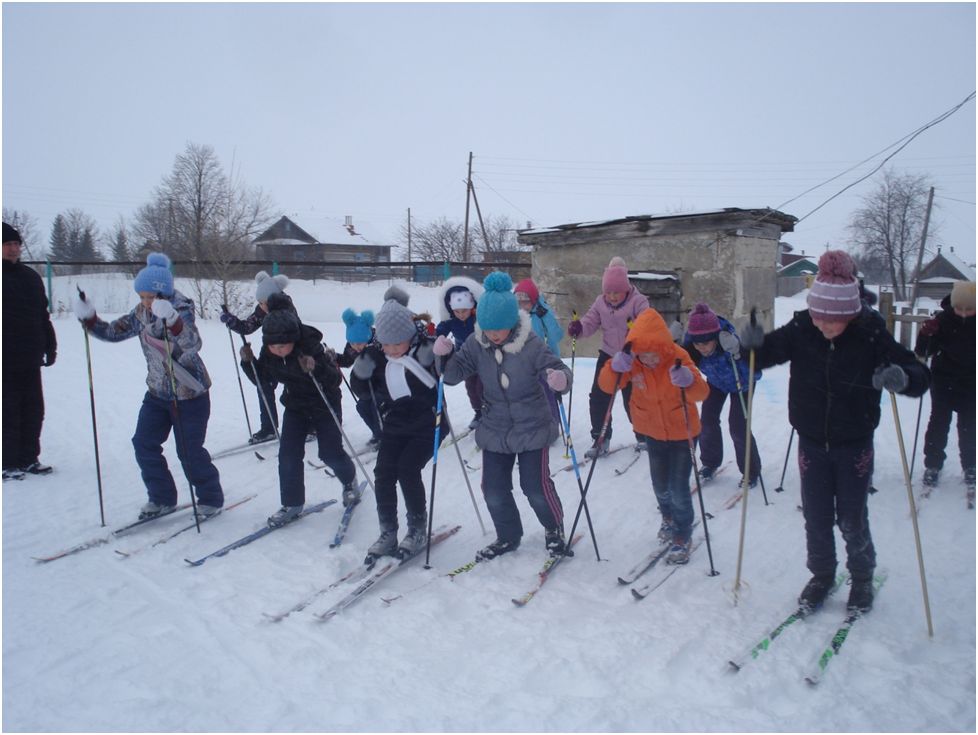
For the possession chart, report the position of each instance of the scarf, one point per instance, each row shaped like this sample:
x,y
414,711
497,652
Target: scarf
x,y
396,376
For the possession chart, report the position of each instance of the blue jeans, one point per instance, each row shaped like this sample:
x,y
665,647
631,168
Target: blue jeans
x,y
156,419
539,489
834,488
292,451
671,467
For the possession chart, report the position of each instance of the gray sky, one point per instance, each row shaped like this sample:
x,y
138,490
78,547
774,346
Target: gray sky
x,y
574,112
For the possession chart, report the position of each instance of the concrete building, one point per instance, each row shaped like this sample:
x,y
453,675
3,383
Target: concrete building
x,y
727,258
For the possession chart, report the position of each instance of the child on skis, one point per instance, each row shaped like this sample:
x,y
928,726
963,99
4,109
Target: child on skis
x,y
949,338
841,359
360,334
658,383
714,346
164,322
398,370
545,327
612,312
265,286
292,354
459,296
516,424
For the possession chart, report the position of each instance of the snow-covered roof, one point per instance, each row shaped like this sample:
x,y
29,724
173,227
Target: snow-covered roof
x,y
645,276
785,220
324,230
954,260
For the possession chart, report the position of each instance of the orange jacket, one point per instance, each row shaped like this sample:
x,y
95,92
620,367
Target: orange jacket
x,y
656,404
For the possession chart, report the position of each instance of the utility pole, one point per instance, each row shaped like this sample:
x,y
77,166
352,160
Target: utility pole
x,y
468,192
920,255
409,234
482,224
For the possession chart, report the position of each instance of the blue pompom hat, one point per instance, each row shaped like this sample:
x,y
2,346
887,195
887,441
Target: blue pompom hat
x,y
358,325
497,307
156,276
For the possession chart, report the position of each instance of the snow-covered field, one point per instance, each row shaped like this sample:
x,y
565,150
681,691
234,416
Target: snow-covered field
x,y
98,642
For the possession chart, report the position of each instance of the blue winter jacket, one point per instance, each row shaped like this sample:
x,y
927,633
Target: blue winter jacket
x,y
545,325
717,366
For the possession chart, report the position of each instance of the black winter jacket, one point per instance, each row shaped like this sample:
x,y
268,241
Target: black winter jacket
x,y
953,350
28,334
831,399
300,392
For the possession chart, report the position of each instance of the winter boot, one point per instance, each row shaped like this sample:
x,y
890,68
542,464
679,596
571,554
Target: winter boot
x,y
262,435
152,510
667,530
679,551
285,514
815,592
861,595
556,544
640,445
205,511
373,443
707,473
351,494
750,485
969,478
416,538
386,545
36,468
930,476
496,548
593,451
13,473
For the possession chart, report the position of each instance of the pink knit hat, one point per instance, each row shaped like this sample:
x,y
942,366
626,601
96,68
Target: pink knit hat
x,y
834,296
528,287
703,324
615,279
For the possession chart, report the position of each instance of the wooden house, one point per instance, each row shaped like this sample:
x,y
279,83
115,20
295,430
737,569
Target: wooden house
x,y
938,276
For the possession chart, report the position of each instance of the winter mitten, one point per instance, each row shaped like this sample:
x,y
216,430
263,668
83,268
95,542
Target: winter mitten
x,y
83,310
677,331
163,309
891,377
307,363
929,328
246,354
752,337
681,376
575,329
729,343
557,380
363,366
226,316
330,354
622,362
443,346
49,358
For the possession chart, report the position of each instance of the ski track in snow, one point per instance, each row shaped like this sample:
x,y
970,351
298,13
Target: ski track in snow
x,y
95,642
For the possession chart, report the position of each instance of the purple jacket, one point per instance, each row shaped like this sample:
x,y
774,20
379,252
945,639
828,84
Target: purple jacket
x,y
613,320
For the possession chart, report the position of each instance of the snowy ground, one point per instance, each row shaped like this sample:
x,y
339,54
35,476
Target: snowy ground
x,y
97,642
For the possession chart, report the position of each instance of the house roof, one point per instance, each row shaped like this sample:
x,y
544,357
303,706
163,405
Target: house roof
x,y
947,261
285,232
785,221
330,231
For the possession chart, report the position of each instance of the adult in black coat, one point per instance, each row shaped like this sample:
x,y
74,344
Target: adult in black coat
x,y
29,342
841,359
949,338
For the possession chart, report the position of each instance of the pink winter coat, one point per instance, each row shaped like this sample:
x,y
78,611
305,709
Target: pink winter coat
x,y
613,320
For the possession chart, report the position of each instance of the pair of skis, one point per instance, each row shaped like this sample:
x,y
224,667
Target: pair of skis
x,y
652,562
830,651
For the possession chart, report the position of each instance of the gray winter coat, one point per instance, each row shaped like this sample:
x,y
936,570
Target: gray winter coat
x,y
515,414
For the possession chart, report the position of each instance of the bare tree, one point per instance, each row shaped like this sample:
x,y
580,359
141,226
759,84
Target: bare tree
x,y
200,214
501,231
27,227
887,228
440,239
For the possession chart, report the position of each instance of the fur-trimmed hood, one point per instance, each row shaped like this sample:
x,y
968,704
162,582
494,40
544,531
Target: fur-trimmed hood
x,y
517,337
453,284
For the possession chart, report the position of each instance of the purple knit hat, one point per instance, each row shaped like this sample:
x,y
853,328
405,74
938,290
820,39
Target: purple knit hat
x,y
615,278
703,324
834,296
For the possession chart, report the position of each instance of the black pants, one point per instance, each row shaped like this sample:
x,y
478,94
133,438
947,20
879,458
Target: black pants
x,y
598,403
292,449
401,460
711,436
944,401
23,415
834,488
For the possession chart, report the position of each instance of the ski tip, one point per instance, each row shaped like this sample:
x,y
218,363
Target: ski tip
x,y
622,581
519,602
193,563
638,595
734,666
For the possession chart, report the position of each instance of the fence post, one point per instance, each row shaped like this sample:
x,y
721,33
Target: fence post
x,y
47,270
886,309
274,268
446,272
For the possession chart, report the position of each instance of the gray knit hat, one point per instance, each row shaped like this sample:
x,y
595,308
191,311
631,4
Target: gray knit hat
x,y
266,285
394,324
398,294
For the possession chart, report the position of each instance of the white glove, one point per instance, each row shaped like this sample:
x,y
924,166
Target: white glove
x,y
443,346
83,310
729,343
163,309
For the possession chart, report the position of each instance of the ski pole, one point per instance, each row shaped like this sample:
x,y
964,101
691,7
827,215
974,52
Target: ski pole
x,y
339,425
696,473
784,470
577,473
570,395
237,370
599,444
916,431
434,467
913,515
743,407
261,392
177,424
743,514
91,399
461,464
373,399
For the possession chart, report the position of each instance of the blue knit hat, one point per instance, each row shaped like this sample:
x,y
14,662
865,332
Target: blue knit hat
x,y
497,308
156,276
358,326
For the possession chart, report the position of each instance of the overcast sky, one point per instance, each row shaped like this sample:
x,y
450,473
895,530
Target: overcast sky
x,y
574,112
